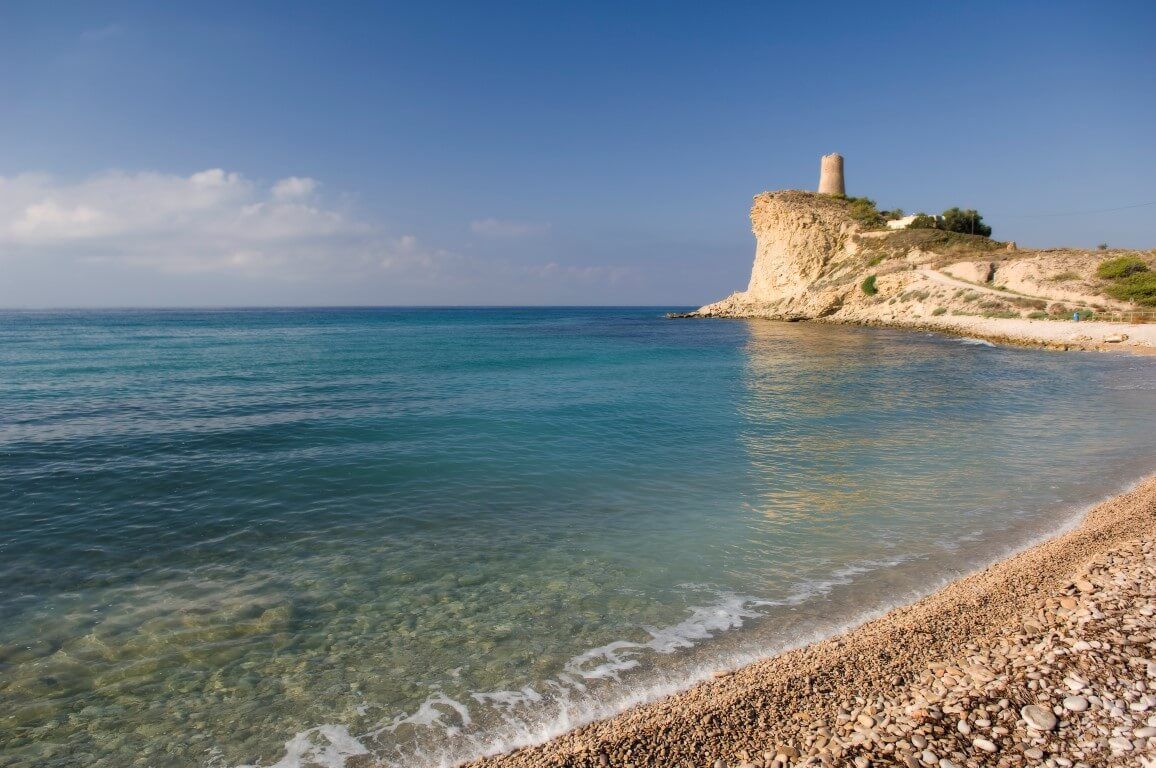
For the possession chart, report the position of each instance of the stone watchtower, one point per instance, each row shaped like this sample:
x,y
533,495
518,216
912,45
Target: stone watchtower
x,y
831,175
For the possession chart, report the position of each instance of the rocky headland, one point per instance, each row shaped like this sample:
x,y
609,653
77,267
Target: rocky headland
x,y
814,260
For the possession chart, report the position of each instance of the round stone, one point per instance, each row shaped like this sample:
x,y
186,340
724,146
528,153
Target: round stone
x,y
1120,744
985,744
1038,717
1075,703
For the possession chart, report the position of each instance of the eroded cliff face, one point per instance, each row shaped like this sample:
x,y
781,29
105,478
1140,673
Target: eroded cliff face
x,y
802,240
814,261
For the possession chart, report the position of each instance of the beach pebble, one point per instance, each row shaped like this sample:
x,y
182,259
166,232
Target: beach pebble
x,y
1147,732
1038,717
1075,703
1034,753
1120,744
1085,586
985,744
918,741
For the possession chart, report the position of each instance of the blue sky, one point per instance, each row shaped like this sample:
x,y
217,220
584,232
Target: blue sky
x,y
536,153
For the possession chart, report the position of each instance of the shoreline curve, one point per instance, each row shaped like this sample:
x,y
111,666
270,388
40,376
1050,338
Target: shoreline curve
x,y
773,707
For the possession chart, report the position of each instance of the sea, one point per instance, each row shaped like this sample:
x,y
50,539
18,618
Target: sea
x,y
411,537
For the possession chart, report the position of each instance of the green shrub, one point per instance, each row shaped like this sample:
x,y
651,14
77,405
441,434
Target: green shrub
x,y
868,286
939,311
1120,267
923,221
863,210
1139,287
875,261
967,221
1064,277
1038,315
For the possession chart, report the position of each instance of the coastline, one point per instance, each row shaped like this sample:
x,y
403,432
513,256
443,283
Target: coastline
x,y
1062,336
788,704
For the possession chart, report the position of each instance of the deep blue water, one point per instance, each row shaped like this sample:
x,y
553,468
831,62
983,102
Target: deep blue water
x,y
429,533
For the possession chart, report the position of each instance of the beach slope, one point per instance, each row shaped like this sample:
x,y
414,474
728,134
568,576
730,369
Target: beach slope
x,y
1048,658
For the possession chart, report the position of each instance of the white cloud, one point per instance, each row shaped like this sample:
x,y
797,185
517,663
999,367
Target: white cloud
x,y
128,235
209,221
507,228
294,188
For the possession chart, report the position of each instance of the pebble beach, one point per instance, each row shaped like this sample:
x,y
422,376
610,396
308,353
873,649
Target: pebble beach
x,y
1046,658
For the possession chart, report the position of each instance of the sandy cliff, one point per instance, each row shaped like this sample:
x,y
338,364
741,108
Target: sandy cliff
x,y
812,256
801,239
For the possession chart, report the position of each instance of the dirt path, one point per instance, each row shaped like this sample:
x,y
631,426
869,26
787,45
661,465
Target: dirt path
x,y
939,277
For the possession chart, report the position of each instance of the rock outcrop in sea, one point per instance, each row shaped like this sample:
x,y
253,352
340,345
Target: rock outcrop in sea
x,y
804,242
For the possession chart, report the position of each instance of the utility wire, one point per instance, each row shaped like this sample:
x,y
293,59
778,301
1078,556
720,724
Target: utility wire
x,y
1080,213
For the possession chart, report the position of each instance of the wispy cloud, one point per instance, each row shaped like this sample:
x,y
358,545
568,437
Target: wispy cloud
x,y
508,228
211,221
256,239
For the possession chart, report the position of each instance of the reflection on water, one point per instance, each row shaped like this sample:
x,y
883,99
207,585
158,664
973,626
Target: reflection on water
x,y
241,538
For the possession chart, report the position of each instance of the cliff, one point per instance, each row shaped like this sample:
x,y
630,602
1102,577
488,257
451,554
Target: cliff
x,y
812,256
803,242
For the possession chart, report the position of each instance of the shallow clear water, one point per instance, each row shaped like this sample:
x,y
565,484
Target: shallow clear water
x,y
258,537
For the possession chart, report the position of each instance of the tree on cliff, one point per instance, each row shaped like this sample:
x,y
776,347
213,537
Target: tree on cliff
x,y
968,221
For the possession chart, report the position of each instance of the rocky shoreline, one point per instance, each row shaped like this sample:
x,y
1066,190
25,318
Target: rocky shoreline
x,y
1091,336
1046,658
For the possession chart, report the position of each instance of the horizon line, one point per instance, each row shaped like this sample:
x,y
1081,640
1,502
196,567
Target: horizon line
x,y
260,307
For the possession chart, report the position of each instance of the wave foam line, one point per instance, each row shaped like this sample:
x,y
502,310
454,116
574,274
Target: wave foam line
x,y
565,707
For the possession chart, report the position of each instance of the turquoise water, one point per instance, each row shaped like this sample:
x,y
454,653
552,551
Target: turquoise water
x,y
291,537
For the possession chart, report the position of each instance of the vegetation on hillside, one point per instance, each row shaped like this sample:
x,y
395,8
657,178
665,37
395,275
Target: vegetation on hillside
x,y
950,245
868,286
1119,267
1132,280
966,221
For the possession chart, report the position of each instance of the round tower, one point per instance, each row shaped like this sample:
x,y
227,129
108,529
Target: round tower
x,y
831,175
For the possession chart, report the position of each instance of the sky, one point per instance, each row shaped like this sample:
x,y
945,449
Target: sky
x,y
290,153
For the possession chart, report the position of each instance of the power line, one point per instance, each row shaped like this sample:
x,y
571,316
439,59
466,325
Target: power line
x,y
1080,213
